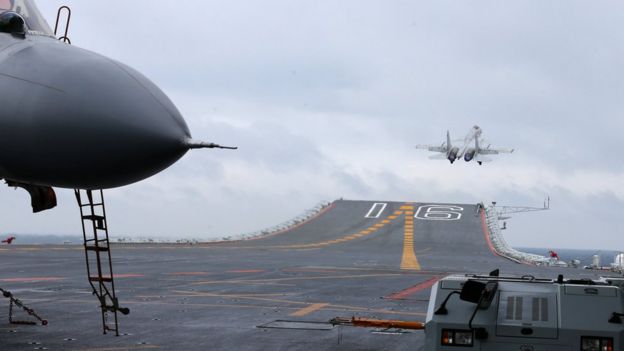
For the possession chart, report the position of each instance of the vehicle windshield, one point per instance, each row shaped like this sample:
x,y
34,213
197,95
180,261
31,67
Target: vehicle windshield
x,y
27,8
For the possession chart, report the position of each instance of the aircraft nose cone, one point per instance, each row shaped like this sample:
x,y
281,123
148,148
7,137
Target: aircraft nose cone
x,y
95,122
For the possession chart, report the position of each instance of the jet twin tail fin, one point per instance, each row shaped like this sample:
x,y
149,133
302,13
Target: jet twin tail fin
x,y
443,149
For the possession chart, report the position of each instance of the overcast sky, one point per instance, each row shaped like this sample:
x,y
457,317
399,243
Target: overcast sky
x,y
326,99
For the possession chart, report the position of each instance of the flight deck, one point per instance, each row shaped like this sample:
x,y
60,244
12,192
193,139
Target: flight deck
x,y
278,292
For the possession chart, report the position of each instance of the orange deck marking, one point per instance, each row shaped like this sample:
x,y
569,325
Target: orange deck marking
x,y
188,273
307,310
123,348
345,238
414,289
31,279
246,271
129,275
332,307
292,279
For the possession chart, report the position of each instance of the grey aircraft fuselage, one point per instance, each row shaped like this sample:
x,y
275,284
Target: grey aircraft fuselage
x,y
468,151
72,118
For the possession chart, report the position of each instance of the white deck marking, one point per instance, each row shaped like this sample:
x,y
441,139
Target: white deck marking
x,y
439,212
376,210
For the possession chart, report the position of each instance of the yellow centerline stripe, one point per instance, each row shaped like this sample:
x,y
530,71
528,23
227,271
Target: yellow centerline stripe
x,y
409,260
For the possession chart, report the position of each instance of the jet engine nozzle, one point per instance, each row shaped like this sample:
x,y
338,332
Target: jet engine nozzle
x,y
469,155
452,155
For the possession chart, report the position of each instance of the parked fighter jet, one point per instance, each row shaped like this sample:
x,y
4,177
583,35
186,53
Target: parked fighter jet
x,y
72,118
469,150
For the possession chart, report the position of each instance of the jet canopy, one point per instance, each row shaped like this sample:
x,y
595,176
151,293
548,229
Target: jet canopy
x,y
27,9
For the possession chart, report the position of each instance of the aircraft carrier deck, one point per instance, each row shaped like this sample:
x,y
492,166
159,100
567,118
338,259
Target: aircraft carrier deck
x,y
356,258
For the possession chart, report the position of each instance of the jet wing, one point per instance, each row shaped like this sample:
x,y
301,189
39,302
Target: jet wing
x,y
438,157
490,151
481,158
433,148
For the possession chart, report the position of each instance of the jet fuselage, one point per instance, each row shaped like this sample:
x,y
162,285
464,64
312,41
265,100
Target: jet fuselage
x,y
72,118
467,150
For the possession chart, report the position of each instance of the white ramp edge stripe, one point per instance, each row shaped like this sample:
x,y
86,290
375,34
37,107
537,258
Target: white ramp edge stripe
x,y
499,243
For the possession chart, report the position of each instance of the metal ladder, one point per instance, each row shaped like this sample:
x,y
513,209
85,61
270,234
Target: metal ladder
x,y
98,255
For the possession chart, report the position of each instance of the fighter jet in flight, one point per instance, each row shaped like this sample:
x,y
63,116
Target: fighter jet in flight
x,y
469,148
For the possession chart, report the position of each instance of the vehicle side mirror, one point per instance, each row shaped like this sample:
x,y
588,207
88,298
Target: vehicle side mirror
x,y
482,294
479,293
13,23
471,291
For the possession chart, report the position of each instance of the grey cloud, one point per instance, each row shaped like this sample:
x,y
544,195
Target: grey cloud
x,y
327,99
